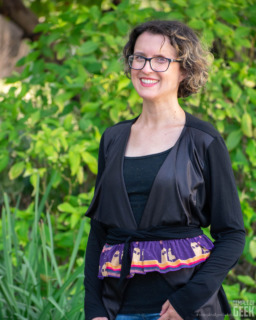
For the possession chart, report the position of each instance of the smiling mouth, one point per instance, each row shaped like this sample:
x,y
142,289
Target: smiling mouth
x,y
148,81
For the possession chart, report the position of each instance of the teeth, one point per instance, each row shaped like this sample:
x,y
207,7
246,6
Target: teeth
x,y
149,81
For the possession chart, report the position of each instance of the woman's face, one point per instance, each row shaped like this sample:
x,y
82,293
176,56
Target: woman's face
x,y
156,86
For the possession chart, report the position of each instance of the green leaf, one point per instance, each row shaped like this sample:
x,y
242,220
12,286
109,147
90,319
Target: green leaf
x,y
251,151
252,248
114,115
235,92
246,280
197,24
87,48
90,161
223,30
252,94
208,36
42,27
247,124
61,51
242,32
4,160
234,139
123,83
74,219
108,18
181,3
232,291
230,17
122,26
62,99
16,170
243,43
80,175
74,160
66,207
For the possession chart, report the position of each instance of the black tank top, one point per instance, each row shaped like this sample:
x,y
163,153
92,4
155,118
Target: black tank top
x,y
144,293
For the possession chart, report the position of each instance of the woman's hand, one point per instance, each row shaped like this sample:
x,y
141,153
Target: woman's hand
x,y
168,312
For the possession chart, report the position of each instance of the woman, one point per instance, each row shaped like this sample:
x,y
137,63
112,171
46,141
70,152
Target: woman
x,y
161,177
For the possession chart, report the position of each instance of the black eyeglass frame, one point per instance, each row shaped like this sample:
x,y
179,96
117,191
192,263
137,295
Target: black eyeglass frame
x,y
149,59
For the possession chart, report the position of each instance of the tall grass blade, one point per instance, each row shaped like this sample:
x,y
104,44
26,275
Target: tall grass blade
x,y
14,235
76,247
29,294
43,238
20,317
34,249
47,191
7,240
55,304
9,298
30,271
6,290
55,266
51,250
75,311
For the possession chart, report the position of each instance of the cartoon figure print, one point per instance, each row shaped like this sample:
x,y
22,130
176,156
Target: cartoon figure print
x,y
136,255
164,255
104,270
171,257
196,248
115,259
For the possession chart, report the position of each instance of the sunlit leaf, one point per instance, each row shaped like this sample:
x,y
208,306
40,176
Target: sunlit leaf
x,y
90,161
16,170
246,280
247,124
74,161
66,207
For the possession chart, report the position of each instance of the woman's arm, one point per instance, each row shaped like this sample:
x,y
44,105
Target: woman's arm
x,y
227,229
93,286
93,305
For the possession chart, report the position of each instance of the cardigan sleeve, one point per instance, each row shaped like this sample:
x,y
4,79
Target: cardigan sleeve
x,y
93,306
227,229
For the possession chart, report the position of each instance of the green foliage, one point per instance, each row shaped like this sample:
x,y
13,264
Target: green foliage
x,y
71,88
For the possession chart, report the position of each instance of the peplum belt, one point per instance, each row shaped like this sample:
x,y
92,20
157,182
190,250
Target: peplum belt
x,y
118,236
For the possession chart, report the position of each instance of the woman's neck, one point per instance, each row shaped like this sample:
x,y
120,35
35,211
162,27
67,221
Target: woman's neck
x,y
154,115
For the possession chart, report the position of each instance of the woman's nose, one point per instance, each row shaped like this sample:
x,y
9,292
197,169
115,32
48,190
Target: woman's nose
x,y
147,67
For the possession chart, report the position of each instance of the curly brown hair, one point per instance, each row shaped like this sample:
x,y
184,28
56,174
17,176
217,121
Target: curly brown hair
x,y
195,58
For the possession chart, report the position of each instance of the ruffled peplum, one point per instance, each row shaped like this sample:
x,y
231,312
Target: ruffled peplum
x,y
161,256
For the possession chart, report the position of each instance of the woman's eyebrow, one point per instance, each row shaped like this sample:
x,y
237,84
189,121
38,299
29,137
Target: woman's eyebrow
x,y
154,55
138,52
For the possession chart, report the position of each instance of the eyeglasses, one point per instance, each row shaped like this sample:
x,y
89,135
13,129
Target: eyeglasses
x,y
157,64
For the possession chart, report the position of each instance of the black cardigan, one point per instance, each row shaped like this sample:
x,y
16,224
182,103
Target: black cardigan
x,y
199,190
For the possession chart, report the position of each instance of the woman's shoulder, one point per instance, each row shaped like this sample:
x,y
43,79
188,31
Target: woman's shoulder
x,y
113,133
203,134
201,127
117,128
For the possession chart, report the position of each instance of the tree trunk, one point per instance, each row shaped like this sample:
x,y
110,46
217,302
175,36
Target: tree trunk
x,y
12,48
22,16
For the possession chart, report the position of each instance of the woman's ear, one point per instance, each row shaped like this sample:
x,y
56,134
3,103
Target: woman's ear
x,y
183,74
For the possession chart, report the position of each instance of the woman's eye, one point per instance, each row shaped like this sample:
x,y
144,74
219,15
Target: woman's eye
x,y
160,60
139,58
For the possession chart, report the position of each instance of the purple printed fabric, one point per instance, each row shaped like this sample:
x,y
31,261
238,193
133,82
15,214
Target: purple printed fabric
x,y
161,256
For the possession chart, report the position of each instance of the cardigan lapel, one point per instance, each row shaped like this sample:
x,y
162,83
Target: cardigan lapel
x,y
166,172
